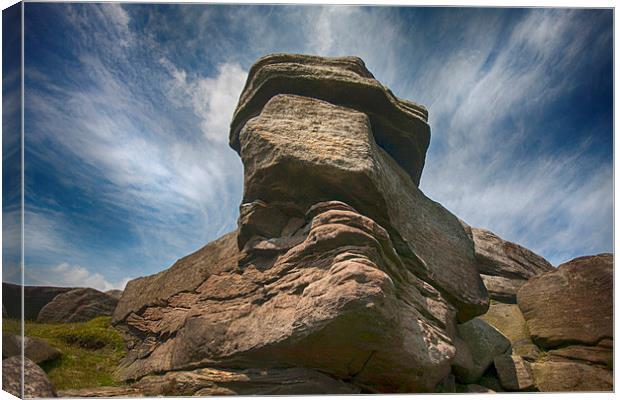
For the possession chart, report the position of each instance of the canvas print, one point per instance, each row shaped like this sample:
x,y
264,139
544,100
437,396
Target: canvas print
x,y
229,199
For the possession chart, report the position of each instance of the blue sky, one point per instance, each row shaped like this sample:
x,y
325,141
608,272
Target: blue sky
x,y
127,110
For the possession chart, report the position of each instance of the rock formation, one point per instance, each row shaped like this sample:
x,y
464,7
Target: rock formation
x,y
77,305
334,266
342,276
35,298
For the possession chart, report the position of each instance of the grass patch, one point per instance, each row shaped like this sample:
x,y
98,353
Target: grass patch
x,y
90,350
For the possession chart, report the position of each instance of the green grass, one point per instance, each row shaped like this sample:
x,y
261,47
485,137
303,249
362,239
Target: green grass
x,y
90,350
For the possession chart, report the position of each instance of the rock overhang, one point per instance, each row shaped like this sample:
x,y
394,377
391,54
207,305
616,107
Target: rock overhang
x,y
400,127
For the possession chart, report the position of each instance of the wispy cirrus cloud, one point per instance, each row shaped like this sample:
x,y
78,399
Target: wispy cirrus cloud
x,y
155,170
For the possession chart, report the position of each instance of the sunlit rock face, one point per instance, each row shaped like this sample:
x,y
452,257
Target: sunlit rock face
x,y
340,264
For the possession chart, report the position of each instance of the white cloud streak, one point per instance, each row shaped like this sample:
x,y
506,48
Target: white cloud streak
x,y
65,275
213,100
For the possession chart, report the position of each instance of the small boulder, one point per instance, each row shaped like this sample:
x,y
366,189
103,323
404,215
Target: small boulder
x,y
10,346
77,305
484,343
37,350
36,382
570,305
514,373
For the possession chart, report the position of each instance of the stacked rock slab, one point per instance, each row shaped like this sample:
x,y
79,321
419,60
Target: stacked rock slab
x,y
569,313
334,266
505,266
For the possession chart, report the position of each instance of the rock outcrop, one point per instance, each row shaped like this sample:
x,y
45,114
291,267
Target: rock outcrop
x,y
342,276
36,383
35,298
77,305
334,266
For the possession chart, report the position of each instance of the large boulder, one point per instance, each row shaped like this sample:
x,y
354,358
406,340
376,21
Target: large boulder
x,y
77,305
570,305
35,349
339,274
505,266
35,298
35,384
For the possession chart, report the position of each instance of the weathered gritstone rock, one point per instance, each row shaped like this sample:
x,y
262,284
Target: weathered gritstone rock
x,y
570,376
331,150
505,266
328,302
36,382
570,305
77,305
399,126
478,343
334,266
